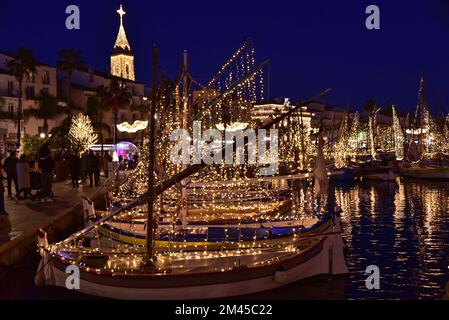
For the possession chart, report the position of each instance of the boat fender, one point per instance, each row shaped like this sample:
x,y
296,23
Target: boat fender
x,y
39,279
42,238
88,210
280,275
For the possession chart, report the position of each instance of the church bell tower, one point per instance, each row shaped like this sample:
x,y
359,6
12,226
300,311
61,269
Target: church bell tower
x,y
122,59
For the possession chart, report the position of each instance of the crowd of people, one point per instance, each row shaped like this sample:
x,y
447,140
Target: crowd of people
x,y
23,175
27,174
88,165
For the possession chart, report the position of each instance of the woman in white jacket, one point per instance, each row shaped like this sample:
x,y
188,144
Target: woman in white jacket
x,y
23,174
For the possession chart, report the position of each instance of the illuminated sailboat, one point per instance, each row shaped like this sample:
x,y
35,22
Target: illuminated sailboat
x,y
428,148
170,270
125,273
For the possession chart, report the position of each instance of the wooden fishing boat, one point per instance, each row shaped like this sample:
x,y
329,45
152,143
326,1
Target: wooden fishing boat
x,y
206,233
200,275
425,172
343,174
377,172
136,272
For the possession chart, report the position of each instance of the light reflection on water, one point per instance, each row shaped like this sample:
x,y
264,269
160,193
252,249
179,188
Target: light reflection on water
x,y
402,227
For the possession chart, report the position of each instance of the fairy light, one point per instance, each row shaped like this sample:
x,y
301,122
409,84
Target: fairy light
x,y
398,136
234,196
81,133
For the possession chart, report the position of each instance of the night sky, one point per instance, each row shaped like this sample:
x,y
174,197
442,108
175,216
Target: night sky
x,y
312,45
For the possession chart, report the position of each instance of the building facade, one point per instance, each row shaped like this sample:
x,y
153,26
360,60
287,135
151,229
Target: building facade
x,y
45,79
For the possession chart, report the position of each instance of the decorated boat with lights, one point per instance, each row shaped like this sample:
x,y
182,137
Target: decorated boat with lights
x,y
256,250
133,272
201,275
418,171
425,157
211,233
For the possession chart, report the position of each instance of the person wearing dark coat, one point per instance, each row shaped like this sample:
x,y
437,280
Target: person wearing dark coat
x,y
46,165
2,191
93,168
75,169
10,167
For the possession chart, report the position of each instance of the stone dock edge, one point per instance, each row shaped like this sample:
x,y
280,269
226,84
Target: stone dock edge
x,y
18,248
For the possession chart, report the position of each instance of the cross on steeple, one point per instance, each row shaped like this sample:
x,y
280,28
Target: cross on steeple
x,y
122,59
121,12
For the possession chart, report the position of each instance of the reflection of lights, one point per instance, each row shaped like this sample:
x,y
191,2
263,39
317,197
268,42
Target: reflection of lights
x,y
136,126
417,131
236,126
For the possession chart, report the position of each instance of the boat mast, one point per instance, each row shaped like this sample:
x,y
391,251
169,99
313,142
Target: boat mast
x,y
421,114
185,126
194,168
152,143
303,148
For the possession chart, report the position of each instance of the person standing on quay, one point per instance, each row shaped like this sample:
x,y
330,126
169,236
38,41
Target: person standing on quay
x,y
10,166
2,192
75,169
93,168
83,167
106,161
23,175
46,165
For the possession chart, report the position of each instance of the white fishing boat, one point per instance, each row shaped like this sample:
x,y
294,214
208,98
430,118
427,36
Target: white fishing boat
x,y
201,275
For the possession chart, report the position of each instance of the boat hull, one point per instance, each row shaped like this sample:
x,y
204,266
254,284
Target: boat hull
x,y
342,175
219,240
378,174
323,257
426,173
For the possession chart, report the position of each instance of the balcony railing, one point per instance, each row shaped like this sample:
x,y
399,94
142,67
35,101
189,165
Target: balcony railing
x,y
9,93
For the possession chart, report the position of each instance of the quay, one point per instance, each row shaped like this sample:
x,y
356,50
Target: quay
x,y
18,231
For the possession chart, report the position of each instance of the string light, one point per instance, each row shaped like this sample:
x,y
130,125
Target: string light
x,y
81,133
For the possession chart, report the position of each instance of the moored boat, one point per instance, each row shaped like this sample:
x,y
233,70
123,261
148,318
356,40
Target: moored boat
x,y
343,174
210,233
425,172
201,275
377,172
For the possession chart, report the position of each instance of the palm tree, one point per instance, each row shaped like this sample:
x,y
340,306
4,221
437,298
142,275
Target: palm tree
x,y
96,105
24,63
70,60
59,135
48,109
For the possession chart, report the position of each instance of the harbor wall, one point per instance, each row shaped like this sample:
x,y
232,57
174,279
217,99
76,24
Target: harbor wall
x,y
60,226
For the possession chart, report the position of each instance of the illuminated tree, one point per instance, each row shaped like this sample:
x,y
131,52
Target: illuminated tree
x,y
81,133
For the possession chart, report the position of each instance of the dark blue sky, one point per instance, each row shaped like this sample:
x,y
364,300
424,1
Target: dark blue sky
x,y
312,45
